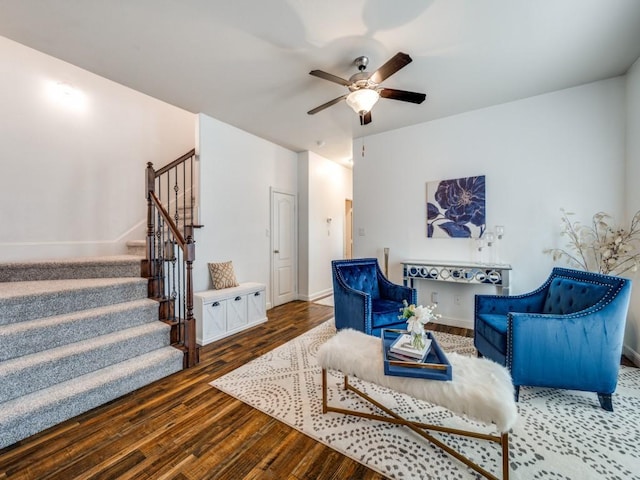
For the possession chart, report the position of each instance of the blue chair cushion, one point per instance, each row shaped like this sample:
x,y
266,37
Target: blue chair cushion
x,y
385,312
493,328
566,296
385,306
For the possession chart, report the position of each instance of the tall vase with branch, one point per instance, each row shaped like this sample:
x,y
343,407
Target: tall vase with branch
x,y
600,247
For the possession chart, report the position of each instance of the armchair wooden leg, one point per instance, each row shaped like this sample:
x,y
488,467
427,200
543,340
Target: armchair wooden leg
x,y
516,392
605,401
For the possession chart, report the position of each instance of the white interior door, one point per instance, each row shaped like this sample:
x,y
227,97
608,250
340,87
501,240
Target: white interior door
x,y
284,252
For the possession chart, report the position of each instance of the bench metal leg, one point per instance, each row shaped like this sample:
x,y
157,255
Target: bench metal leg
x,y
422,429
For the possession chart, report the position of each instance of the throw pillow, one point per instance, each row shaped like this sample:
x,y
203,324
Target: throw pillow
x,y
222,275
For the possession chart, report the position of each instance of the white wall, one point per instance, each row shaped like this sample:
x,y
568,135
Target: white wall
x,y
73,174
563,149
237,170
324,186
632,333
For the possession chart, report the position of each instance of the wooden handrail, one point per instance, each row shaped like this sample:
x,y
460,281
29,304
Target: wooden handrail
x,y
188,247
171,282
165,215
176,162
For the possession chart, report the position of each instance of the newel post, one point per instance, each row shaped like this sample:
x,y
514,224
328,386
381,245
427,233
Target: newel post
x,y
190,323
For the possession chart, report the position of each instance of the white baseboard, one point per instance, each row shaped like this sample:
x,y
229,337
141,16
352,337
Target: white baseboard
x,y
456,322
316,296
631,355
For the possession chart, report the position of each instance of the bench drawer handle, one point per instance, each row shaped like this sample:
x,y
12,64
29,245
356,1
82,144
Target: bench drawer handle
x,y
237,299
257,294
215,304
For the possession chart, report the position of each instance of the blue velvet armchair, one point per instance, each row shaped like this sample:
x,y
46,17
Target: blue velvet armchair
x,y
566,334
364,299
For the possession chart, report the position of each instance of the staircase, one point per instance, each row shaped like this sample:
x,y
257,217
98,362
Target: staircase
x,y
75,334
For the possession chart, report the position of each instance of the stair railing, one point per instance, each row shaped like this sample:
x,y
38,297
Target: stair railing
x,y
170,249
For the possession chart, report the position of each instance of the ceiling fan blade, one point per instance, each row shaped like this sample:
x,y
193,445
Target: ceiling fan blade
x,y
365,119
402,95
327,105
398,61
330,77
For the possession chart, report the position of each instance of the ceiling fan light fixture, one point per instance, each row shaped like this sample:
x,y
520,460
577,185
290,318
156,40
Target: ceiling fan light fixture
x,y
365,89
362,100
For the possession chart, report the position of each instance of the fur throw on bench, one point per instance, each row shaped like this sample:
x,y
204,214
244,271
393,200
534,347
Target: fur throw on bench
x,y
480,389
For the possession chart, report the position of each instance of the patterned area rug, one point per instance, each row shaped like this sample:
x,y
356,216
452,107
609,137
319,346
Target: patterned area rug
x,y
560,434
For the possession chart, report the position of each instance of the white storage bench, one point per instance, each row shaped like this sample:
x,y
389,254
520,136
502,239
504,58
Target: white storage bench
x,y
220,313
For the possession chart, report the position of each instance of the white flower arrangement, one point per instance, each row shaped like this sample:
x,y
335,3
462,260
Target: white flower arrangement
x,y
600,247
417,318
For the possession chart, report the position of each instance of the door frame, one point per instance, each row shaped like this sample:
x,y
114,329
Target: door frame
x,y
348,228
272,192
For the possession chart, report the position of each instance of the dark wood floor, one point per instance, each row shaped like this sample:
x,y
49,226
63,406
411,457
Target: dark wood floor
x,y
181,428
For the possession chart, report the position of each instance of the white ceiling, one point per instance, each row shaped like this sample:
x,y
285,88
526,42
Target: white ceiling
x,y
246,62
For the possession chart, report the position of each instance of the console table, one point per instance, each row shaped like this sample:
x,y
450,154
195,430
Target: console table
x,y
459,272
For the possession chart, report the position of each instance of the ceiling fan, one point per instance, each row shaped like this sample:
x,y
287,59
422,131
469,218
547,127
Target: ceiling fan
x,y
365,89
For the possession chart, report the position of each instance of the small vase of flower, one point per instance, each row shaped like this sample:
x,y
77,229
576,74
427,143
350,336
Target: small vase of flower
x,y
417,317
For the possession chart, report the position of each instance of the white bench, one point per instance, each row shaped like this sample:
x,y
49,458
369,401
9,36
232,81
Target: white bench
x,y
480,389
220,313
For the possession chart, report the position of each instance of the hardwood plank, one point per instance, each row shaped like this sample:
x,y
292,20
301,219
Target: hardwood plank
x,y
284,457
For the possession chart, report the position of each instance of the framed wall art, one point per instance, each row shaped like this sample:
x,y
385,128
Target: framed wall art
x,y
456,208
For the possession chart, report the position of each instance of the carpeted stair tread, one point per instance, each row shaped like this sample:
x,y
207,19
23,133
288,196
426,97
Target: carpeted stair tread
x,y
39,410
137,247
23,375
13,290
64,268
21,301
33,336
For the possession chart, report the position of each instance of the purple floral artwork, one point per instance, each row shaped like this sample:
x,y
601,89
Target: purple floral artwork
x,y
456,208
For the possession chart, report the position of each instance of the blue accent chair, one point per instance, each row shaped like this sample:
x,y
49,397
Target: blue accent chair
x,y
566,334
364,299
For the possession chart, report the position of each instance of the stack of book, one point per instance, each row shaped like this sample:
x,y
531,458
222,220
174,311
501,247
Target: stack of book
x,y
402,349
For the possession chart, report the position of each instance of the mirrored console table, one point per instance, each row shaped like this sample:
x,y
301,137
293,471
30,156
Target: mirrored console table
x,y
460,272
